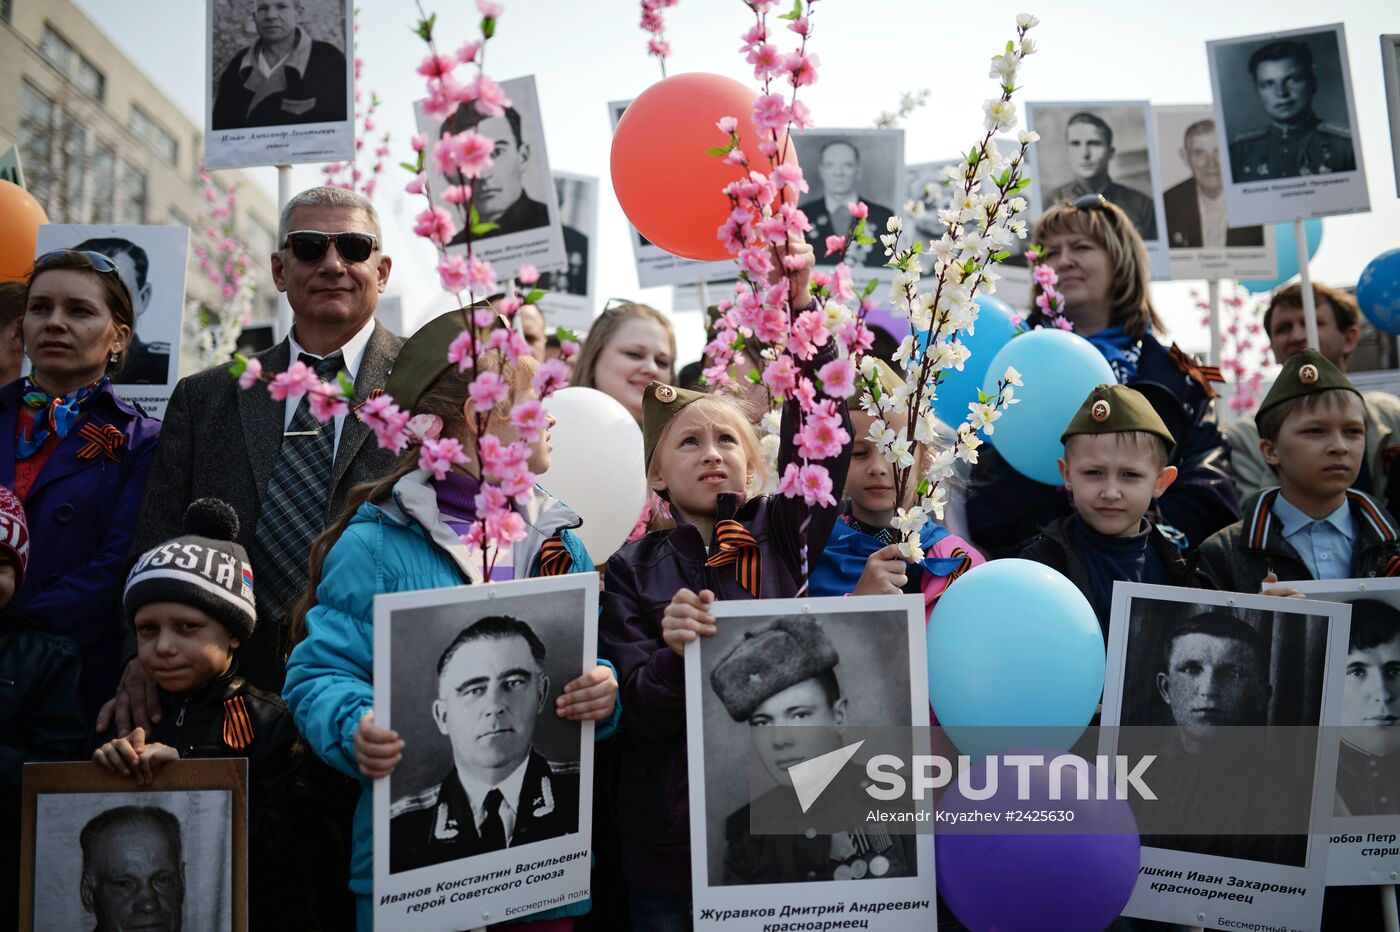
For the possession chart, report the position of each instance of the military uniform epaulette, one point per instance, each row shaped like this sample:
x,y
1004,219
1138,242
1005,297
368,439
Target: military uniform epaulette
x,y
417,802
1250,135
563,767
1335,130
159,346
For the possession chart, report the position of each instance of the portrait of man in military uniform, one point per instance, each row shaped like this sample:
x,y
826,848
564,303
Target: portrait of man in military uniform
x,y
780,684
842,173
1290,139
500,792
1089,152
1368,768
147,361
500,194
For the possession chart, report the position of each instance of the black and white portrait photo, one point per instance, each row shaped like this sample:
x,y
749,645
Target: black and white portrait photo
x,y
490,774
274,64
1202,242
151,261
926,192
781,684
569,302
656,266
514,195
163,859
842,166
1285,111
1390,67
1226,692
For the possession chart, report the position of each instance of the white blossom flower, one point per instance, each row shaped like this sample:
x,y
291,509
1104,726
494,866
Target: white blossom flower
x,y
910,550
1026,21
1027,46
889,239
909,520
983,416
968,442
942,465
901,454
882,434
1000,114
1027,136
935,501
893,224
1012,376
867,366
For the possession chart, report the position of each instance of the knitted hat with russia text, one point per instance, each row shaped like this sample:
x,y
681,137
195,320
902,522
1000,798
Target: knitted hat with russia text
x,y
14,533
203,568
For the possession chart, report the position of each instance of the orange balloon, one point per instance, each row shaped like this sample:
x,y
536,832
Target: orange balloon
x,y
20,219
667,184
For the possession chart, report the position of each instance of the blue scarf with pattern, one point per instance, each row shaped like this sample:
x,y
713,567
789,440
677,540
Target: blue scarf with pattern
x,y
51,414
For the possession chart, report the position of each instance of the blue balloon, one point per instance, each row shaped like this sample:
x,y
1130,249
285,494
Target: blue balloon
x,y
1013,646
993,330
1378,291
1059,370
1286,248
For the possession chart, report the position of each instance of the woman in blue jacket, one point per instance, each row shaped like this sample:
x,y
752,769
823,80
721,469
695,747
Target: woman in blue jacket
x,y
402,534
78,456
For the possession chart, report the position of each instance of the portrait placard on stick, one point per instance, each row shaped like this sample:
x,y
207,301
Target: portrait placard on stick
x,y
183,838
1226,693
281,87
1203,244
783,684
1390,67
569,302
1285,116
488,817
846,165
656,266
1100,147
152,261
1365,842
515,194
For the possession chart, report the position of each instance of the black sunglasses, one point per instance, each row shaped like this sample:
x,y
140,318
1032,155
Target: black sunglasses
x,y
311,245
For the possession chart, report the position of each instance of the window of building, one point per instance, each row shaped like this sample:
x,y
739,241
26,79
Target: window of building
x,y
104,183
36,132
74,164
162,143
72,65
132,208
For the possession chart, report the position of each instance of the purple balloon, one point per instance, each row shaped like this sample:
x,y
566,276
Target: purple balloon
x,y
1000,878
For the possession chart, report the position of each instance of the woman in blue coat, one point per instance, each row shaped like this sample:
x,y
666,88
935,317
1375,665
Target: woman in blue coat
x,y
77,456
1103,277
403,534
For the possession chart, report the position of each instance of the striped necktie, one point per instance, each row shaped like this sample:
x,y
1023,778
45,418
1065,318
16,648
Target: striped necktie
x,y
296,501
737,546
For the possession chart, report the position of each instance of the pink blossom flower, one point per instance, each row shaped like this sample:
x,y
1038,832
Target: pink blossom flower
x,y
467,53
527,275
756,34
658,47
435,66
801,115
790,176
834,244
790,484
327,401
814,483
770,111
381,415
821,437
567,349
491,100
460,351
808,333
507,530
467,152
480,275
456,193
780,376
439,456
858,210
491,500
735,156
295,382
488,9
728,125
765,59
806,393
768,148
842,288
452,272
530,420
1043,274
771,325
773,229
552,374
436,224
488,390
755,261
417,185
855,337
801,68
507,305
252,372
801,26
838,378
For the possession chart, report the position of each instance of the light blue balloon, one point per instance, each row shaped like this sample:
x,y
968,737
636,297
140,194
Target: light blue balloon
x,y
1378,291
1014,646
1286,248
993,330
1059,370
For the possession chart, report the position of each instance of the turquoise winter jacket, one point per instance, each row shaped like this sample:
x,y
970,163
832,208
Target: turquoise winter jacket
x,y
400,545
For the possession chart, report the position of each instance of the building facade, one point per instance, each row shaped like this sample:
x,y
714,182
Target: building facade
x,y
100,143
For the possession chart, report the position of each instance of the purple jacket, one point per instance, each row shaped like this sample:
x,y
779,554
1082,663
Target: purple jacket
x,y
653,805
82,513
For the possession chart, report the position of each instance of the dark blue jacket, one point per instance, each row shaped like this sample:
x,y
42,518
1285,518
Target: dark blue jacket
x,y
82,512
1004,508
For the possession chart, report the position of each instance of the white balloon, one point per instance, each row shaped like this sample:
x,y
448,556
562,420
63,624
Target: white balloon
x,y
596,466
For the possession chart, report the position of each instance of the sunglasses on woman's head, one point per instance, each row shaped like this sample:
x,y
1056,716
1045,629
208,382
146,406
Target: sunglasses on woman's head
x,y
311,245
1089,202
100,262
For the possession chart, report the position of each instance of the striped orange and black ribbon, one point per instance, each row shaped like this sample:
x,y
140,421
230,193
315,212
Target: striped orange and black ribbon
x,y
737,546
962,567
238,727
106,439
554,559
1201,375
1392,566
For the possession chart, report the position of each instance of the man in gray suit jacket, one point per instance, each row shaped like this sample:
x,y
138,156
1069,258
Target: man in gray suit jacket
x,y
220,441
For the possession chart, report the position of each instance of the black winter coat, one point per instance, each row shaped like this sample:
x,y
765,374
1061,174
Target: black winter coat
x,y
1005,508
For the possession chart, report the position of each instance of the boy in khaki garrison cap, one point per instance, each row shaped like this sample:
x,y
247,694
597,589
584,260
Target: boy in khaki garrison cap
x,y
1115,468
781,680
1313,525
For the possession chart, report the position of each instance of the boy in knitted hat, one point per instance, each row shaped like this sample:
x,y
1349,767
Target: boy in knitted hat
x,y
1313,525
41,708
190,601
1115,468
